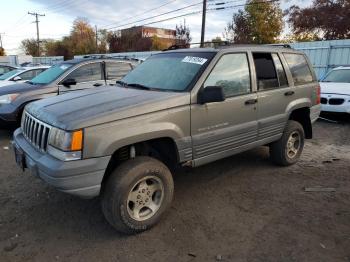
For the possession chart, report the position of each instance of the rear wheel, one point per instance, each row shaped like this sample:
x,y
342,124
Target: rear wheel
x,y
287,150
136,194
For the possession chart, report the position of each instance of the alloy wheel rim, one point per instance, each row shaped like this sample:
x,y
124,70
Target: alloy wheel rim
x,y
145,198
293,144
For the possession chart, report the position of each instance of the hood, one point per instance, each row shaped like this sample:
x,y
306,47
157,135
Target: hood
x,y
6,83
100,105
335,88
17,88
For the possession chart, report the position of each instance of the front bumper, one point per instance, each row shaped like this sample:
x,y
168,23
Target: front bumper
x,y
343,108
315,112
82,178
8,114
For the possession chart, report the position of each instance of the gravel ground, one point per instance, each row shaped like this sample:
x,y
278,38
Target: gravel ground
x,y
241,208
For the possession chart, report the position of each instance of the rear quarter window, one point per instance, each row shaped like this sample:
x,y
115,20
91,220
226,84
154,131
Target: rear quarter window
x,y
299,68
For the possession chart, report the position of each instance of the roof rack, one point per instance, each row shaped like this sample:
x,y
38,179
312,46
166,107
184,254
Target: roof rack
x,y
181,46
95,56
282,45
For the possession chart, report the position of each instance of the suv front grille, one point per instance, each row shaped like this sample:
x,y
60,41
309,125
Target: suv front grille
x,y
336,101
324,100
35,131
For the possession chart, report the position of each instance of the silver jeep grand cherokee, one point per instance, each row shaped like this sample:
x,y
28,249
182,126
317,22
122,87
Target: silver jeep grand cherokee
x,y
181,107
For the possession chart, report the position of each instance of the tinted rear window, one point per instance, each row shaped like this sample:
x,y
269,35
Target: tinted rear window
x,y
299,68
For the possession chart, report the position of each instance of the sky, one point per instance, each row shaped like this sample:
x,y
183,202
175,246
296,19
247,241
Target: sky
x,y
16,24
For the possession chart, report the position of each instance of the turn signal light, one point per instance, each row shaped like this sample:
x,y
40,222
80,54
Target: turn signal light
x,y
318,93
77,140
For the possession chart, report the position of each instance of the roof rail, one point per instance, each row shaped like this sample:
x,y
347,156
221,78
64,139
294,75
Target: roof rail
x,y
282,45
181,46
95,56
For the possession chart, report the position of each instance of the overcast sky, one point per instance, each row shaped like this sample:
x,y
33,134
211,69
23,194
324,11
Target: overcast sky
x,y
16,24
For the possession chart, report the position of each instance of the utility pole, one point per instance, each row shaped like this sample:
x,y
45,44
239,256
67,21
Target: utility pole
x,y
96,38
1,39
204,14
37,29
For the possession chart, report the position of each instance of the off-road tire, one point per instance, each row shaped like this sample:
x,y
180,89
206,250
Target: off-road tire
x,y
117,190
278,149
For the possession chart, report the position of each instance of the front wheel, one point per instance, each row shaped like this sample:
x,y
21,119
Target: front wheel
x,y
136,194
287,150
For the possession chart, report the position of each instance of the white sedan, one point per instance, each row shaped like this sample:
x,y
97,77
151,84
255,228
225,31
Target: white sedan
x,y
335,91
21,75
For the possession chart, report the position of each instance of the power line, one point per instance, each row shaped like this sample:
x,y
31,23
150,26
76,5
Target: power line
x,y
210,9
155,16
65,6
140,14
37,28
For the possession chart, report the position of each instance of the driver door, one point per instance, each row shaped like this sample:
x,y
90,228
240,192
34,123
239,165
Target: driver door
x,y
86,76
223,128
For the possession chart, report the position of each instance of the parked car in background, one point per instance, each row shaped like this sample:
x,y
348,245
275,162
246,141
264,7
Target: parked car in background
x,y
182,107
335,91
21,75
72,75
5,68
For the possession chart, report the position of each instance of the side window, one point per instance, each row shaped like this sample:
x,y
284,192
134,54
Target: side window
x,y
5,69
282,78
265,71
27,75
87,73
39,71
299,68
232,74
115,71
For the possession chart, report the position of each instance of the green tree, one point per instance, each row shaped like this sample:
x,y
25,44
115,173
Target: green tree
x,y
2,51
328,20
261,22
102,37
302,37
82,37
29,47
183,34
58,48
157,44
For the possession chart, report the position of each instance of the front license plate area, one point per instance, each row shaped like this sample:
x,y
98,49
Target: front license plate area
x,y
20,158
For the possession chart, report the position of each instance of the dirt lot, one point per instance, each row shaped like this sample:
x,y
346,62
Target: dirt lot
x,y
239,209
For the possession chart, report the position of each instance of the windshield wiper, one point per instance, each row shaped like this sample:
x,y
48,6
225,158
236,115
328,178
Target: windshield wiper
x,y
140,86
122,83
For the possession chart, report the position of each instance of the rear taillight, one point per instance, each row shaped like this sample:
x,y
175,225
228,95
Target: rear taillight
x,y
318,95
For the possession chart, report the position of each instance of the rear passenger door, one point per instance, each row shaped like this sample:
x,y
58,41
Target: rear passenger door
x,y
116,71
274,95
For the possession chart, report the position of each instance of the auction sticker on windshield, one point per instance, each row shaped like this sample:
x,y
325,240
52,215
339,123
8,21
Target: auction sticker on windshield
x,y
194,60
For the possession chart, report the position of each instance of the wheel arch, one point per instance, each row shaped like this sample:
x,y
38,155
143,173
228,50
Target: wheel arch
x,y
163,148
302,116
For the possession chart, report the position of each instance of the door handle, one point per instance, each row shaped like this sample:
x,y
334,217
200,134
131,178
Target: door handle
x,y
251,101
289,93
97,84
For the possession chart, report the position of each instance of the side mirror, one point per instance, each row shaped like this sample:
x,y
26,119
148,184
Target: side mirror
x,y
69,82
17,78
211,94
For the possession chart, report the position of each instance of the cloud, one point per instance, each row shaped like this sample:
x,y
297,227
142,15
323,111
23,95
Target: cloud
x,y
112,13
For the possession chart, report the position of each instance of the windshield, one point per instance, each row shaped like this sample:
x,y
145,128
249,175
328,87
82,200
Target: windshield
x,y
338,76
9,74
50,74
168,71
